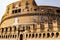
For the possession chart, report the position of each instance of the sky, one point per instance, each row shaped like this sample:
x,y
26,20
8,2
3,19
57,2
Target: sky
x,y
4,3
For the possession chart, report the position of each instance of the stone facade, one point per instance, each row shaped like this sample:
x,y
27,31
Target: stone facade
x,y
24,20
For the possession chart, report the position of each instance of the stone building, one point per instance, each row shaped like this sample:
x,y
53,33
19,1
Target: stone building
x,y
24,20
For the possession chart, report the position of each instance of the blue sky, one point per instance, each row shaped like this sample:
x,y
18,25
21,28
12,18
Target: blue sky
x,y
4,3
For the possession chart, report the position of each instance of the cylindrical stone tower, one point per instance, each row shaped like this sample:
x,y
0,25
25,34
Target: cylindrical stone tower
x,y
24,20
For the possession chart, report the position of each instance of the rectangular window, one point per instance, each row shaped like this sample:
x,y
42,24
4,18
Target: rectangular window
x,y
42,25
50,24
34,27
14,28
28,27
19,10
15,11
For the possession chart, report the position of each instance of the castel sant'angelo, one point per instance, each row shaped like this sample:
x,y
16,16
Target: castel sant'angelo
x,y
24,20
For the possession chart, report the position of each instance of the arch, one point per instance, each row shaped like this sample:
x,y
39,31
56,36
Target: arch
x,y
57,34
13,36
43,35
39,35
8,36
48,35
0,36
26,35
52,34
33,35
36,35
4,36
29,35
21,36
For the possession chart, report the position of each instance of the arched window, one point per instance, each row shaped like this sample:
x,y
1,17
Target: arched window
x,y
43,35
52,34
19,10
6,36
32,35
10,36
28,27
42,25
16,11
26,35
57,34
48,35
15,28
2,36
34,27
13,36
39,35
36,35
29,35
23,28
